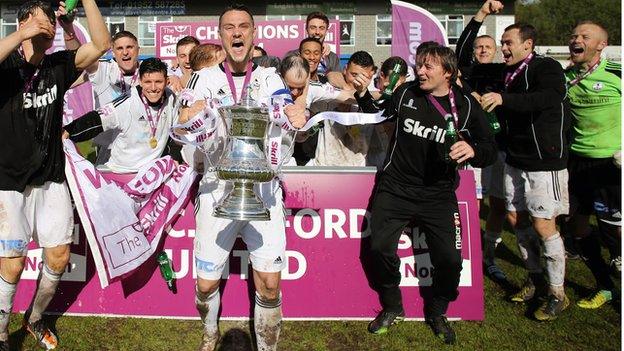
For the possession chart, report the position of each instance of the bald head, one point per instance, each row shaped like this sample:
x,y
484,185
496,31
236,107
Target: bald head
x,y
587,41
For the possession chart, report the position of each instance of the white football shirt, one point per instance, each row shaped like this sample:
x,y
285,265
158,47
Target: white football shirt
x,y
127,115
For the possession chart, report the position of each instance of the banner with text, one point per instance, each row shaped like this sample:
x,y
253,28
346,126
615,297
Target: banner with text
x,y
276,37
412,25
323,278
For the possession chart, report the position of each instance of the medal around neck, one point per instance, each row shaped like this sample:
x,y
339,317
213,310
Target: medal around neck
x,y
244,160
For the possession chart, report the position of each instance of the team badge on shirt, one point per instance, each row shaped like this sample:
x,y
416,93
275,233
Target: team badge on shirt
x,y
597,86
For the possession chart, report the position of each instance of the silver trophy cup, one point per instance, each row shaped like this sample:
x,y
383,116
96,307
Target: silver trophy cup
x,y
244,161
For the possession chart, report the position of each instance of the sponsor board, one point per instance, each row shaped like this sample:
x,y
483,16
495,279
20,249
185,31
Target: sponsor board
x,y
323,277
276,37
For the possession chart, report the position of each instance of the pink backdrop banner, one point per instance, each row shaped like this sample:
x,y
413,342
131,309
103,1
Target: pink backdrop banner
x,y
412,25
276,37
323,279
78,100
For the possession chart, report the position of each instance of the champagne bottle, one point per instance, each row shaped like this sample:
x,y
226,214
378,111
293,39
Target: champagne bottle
x,y
70,5
493,121
450,137
394,78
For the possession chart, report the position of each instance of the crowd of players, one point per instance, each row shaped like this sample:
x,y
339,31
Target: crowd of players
x,y
555,157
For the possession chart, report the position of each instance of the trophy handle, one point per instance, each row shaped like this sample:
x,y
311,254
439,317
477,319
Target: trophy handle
x,y
219,118
267,145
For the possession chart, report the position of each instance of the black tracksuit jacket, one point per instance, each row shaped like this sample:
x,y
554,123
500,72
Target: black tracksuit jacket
x,y
535,108
416,153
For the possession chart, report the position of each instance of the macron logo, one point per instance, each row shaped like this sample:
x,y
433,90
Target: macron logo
x,y
415,128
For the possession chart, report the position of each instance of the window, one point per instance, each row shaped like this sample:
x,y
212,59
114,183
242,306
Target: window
x,y
115,24
7,27
454,25
346,30
384,30
147,29
283,17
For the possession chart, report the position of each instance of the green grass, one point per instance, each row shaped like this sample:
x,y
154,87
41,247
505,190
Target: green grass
x,y
506,327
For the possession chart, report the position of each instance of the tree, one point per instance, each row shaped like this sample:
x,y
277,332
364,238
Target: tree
x,y
555,19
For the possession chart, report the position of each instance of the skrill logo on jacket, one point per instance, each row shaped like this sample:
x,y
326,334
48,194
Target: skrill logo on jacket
x,y
32,100
415,128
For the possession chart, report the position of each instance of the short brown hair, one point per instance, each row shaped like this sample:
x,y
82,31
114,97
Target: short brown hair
x,y
236,7
485,36
527,32
442,54
189,39
124,34
319,15
203,55
29,8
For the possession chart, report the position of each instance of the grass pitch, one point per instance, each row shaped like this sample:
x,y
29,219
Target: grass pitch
x,y
507,326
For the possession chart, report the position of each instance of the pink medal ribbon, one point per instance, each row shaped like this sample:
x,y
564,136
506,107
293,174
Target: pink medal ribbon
x,y
28,83
441,109
579,78
228,74
509,77
153,122
122,83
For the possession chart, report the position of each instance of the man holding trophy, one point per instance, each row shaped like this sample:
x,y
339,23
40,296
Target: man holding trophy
x,y
225,85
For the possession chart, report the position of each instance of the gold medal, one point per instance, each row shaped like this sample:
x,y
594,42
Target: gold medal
x,y
153,143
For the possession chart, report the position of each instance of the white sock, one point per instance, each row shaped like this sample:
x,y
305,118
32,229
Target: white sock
x,y
490,241
267,322
208,307
48,282
528,244
7,292
554,251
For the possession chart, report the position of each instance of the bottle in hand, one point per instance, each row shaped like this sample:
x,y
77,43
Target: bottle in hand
x,y
450,137
70,5
493,121
392,81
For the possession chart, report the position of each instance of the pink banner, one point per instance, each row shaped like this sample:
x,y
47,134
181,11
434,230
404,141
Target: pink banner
x,y
323,279
276,37
125,215
412,25
78,100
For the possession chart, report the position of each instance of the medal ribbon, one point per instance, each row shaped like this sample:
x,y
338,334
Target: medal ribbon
x,y
579,78
509,77
28,83
228,74
153,122
441,109
122,83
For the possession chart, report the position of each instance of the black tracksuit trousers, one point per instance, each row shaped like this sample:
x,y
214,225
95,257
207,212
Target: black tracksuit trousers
x,y
434,210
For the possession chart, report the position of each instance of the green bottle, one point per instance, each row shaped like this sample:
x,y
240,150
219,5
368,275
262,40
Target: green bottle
x,y
70,5
450,137
493,121
394,78
166,271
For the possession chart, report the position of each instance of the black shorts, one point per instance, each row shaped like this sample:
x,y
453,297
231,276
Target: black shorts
x,y
595,187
